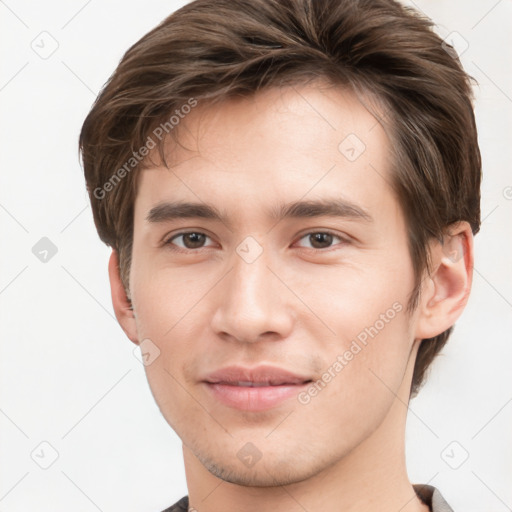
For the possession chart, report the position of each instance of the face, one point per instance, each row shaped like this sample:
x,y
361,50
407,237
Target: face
x,y
275,314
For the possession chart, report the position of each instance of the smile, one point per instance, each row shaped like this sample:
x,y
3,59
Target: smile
x,y
256,389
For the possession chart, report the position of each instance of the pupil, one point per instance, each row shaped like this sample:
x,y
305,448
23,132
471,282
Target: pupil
x,y
196,238
321,237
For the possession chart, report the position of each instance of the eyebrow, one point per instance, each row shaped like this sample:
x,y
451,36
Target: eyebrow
x,y
168,211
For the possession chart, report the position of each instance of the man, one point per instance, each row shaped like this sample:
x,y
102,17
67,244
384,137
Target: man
x,y
290,189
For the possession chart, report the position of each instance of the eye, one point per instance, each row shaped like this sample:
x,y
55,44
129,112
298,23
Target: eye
x,y
322,239
190,240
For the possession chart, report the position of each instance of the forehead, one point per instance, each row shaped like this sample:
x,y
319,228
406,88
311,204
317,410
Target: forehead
x,y
277,146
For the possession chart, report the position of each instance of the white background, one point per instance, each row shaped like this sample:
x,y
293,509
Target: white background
x,y
69,376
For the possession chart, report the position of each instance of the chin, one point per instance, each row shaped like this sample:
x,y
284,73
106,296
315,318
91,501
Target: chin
x,y
264,473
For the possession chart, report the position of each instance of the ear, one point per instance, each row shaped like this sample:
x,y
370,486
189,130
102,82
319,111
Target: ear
x,y
445,291
122,305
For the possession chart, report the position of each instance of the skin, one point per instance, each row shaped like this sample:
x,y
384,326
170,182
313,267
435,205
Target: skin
x,y
297,306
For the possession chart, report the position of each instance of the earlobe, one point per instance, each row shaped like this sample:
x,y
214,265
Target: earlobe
x,y
122,305
446,291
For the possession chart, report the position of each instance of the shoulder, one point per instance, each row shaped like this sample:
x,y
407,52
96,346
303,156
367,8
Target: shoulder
x,y
432,497
179,506
427,493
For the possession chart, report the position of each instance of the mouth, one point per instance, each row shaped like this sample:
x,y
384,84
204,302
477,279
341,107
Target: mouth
x,y
256,389
250,384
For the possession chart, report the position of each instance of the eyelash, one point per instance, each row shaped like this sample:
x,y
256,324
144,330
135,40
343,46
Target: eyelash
x,y
168,242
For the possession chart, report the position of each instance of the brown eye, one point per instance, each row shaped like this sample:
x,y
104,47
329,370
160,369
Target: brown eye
x,y
190,240
193,240
321,240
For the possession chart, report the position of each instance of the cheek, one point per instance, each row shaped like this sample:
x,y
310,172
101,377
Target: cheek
x,y
166,299
362,377
365,291
168,304
370,341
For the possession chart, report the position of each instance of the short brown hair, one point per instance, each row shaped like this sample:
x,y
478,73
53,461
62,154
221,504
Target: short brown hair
x,y
213,50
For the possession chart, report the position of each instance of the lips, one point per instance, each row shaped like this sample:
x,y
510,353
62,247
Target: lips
x,y
254,389
259,376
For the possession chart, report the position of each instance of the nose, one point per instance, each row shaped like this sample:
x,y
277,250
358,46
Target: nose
x,y
252,304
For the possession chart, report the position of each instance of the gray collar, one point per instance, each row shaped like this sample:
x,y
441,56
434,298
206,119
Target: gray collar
x,y
432,497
